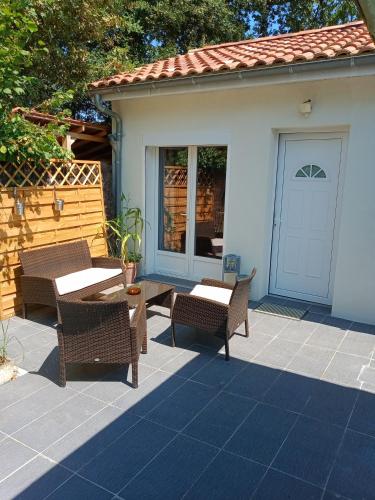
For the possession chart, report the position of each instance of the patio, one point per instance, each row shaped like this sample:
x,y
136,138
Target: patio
x,y
292,415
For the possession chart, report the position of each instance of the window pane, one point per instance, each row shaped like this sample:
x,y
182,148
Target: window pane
x,y
314,170
300,173
321,175
173,176
210,200
307,170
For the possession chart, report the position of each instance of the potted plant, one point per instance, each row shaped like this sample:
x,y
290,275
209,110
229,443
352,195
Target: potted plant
x,y
8,370
125,237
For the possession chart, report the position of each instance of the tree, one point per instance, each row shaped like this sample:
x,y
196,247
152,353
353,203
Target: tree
x,y
16,28
86,40
315,14
175,26
91,40
20,139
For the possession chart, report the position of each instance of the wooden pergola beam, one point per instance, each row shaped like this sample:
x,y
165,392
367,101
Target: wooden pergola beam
x,y
78,129
88,137
68,141
101,133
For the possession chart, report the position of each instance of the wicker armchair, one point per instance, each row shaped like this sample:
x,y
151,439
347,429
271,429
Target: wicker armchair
x,y
101,332
214,306
41,267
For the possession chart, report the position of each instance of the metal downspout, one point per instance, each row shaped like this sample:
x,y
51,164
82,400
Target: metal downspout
x,y
116,143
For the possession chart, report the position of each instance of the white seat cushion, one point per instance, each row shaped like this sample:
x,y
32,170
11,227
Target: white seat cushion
x,y
216,293
81,279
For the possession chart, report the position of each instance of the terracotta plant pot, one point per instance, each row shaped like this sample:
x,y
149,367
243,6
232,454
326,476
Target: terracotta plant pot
x,y
130,272
7,371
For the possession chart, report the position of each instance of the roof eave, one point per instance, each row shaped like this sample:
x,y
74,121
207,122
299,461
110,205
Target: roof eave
x,y
291,72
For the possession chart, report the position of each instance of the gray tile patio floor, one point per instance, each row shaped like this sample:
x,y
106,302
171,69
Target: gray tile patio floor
x,y
291,416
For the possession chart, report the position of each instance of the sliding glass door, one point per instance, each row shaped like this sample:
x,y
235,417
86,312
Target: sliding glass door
x,y
191,206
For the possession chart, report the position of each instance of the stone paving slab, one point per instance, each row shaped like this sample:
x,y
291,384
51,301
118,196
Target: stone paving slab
x,y
291,415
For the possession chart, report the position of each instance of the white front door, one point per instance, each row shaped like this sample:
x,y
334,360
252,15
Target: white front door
x,y
189,224
305,214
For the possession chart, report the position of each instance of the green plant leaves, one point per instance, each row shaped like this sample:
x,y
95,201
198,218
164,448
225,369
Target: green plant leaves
x,y
21,140
125,232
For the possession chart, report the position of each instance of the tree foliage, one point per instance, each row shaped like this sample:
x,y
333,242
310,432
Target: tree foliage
x,y
89,40
168,27
177,25
19,139
16,29
86,40
271,18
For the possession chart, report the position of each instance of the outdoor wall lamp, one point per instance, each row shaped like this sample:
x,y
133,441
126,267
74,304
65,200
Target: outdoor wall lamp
x,y
58,203
19,206
305,108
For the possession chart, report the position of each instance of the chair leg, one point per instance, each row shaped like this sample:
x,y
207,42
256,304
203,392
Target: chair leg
x,y
173,334
226,340
135,374
247,327
62,373
24,311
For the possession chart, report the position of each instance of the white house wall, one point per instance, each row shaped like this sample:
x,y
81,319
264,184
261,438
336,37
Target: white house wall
x,y
249,121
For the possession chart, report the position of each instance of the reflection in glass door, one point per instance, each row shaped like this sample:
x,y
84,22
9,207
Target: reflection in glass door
x,y
191,200
173,199
210,201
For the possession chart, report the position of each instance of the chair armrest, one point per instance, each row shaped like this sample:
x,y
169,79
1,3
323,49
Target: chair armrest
x,y
200,312
107,262
218,283
41,279
60,340
37,289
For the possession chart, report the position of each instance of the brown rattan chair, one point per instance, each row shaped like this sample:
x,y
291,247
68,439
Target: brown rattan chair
x,y
214,306
101,332
40,268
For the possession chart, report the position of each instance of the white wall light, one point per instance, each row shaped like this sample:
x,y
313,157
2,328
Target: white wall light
x,y
305,108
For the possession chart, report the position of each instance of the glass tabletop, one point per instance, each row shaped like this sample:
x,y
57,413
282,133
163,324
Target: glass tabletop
x,y
149,291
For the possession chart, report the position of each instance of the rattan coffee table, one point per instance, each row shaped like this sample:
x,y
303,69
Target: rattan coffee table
x,y
152,293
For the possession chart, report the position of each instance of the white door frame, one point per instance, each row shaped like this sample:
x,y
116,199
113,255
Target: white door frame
x,y
279,168
193,264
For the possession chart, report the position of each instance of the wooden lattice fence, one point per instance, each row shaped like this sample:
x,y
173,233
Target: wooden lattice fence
x,y
78,183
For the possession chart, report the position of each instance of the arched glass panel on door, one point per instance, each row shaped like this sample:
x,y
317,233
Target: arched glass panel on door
x,y
311,172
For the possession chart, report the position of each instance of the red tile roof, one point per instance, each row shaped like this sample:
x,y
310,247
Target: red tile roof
x,y
325,43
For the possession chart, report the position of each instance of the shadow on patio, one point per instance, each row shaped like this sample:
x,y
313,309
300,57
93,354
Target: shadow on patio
x,y
197,427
